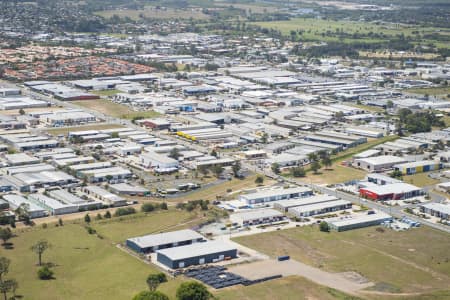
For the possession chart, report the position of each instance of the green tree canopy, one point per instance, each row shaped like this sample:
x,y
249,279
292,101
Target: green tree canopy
x,y
192,290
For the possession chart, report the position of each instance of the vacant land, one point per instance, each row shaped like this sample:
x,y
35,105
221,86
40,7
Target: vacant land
x,y
115,110
288,288
335,174
119,229
66,130
435,91
415,261
86,267
151,12
420,179
328,30
106,93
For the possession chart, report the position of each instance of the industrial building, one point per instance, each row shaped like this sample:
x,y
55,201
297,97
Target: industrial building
x,y
159,163
392,191
152,242
358,221
196,254
418,167
319,208
378,163
285,205
256,217
269,195
53,206
34,210
98,193
438,210
128,189
69,198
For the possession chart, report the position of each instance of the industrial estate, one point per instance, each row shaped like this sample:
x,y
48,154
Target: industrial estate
x,y
217,150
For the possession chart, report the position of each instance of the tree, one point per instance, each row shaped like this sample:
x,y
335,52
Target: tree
x,y
218,170
204,170
39,248
21,112
22,212
87,218
154,280
7,286
276,168
45,273
60,222
4,267
312,156
389,104
265,138
236,167
147,207
146,295
324,226
107,215
315,166
298,172
192,290
326,161
163,206
5,235
174,153
259,179
214,153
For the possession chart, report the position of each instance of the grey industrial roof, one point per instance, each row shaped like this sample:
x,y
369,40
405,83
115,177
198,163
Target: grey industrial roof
x,y
165,238
196,249
255,214
346,221
304,201
318,206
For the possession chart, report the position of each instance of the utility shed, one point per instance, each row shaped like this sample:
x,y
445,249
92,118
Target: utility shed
x,y
152,242
196,254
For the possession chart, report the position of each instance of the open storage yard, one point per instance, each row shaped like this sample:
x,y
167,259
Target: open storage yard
x,y
114,109
418,260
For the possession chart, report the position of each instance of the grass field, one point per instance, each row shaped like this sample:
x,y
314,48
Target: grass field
x,y
415,261
220,190
106,92
420,179
316,29
86,267
288,288
66,130
115,109
336,174
435,91
153,13
119,229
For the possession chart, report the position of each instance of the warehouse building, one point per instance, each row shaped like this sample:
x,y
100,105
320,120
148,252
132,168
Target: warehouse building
x,y
106,174
153,242
98,193
392,191
359,221
269,195
256,217
128,189
438,210
285,205
418,167
378,163
69,198
319,208
53,206
159,163
34,210
196,254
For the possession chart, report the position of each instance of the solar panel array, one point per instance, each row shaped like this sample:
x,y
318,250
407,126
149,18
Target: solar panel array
x,y
217,277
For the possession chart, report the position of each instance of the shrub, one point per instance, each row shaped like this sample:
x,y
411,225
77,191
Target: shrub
x,y
147,207
124,211
45,273
324,226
